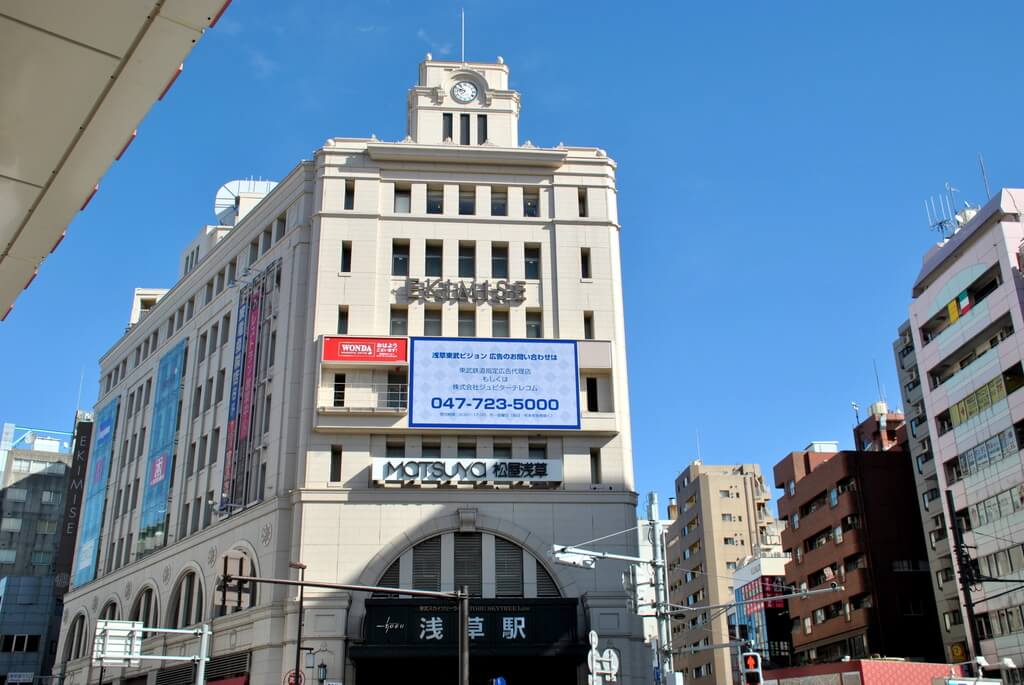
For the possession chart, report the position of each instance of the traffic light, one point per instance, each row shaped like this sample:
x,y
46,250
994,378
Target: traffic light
x,y
750,663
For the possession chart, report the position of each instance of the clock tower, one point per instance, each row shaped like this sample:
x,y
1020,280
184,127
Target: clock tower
x,y
464,103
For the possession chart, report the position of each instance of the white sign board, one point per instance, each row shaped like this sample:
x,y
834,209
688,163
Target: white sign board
x,y
21,677
493,383
118,643
387,470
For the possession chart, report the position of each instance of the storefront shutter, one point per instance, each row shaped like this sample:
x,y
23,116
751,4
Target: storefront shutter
x,y
546,586
426,565
508,568
469,562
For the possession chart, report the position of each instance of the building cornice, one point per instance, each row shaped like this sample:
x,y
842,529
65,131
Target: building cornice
x,y
463,154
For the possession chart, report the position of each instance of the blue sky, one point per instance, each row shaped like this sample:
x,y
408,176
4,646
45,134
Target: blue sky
x,y
774,159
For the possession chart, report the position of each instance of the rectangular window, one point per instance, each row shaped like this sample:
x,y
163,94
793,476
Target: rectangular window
x,y
538,451
399,258
266,240
463,129
592,403
197,509
346,256
208,295
279,228
16,494
135,492
432,321
588,325
585,262
403,200
595,465
266,415
202,349
399,321
342,320
339,390
433,259
190,463
534,325
531,256
481,129
350,194
183,524
499,323
46,527
499,201
214,443
208,392
467,200
431,451
582,202
435,200
467,323
446,126
531,202
467,260
201,457
335,463
213,339
221,378
502,451
499,260
41,558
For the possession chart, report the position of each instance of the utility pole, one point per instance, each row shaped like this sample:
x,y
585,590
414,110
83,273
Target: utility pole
x,y
660,589
299,676
965,572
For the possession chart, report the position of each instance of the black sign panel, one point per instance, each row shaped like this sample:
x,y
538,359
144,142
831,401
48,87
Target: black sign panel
x,y
494,623
73,503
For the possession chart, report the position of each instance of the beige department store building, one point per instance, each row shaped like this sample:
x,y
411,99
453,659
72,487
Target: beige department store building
x,y
320,416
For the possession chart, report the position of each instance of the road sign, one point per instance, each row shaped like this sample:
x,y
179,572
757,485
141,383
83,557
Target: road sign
x,y
117,643
290,678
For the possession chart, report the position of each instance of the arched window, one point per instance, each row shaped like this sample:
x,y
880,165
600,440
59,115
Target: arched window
x,y
186,605
76,644
109,611
509,570
145,610
239,563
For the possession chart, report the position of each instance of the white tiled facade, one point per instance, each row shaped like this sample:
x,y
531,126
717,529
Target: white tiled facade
x,y
332,235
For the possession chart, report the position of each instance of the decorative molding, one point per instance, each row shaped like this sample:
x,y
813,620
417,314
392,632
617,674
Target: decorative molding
x,y
266,534
128,590
467,520
95,602
211,555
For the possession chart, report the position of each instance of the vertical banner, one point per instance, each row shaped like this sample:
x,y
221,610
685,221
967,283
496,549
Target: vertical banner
x,y
252,338
73,501
160,458
95,495
236,384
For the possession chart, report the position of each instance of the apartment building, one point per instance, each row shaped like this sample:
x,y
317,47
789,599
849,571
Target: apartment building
x,y
764,625
948,606
852,521
34,471
404,366
960,365
722,518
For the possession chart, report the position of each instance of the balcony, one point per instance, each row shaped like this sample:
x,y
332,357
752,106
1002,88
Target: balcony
x,y
368,398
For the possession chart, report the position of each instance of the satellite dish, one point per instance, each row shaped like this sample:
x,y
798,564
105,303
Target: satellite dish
x,y
226,202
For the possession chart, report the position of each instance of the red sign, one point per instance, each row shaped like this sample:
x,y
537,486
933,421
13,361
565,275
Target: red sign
x,y
339,349
289,678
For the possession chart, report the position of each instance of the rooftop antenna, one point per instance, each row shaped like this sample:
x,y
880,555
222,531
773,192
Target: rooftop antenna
x,y
698,446
856,412
984,176
462,11
878,383
943,217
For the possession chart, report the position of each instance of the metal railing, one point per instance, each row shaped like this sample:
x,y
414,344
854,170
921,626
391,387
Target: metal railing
x,y
370,396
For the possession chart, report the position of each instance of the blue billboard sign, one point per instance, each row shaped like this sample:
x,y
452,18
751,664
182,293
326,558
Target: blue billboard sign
x,y
493,383
160,457
91,523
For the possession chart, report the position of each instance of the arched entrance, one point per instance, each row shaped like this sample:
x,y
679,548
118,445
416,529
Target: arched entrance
x,y
520,624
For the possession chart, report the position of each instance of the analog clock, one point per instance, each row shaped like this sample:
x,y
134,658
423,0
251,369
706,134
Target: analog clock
x,y
464,91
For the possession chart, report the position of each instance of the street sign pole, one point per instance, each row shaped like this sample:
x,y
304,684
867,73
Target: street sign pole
x,y
464,635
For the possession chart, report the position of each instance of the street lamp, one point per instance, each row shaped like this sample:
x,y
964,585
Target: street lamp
x,y
298,632
321,672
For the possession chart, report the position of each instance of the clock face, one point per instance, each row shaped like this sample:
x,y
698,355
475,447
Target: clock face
x,y
464,91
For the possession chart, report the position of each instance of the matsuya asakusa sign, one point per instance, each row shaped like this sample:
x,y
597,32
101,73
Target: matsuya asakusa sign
x,y
387,470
